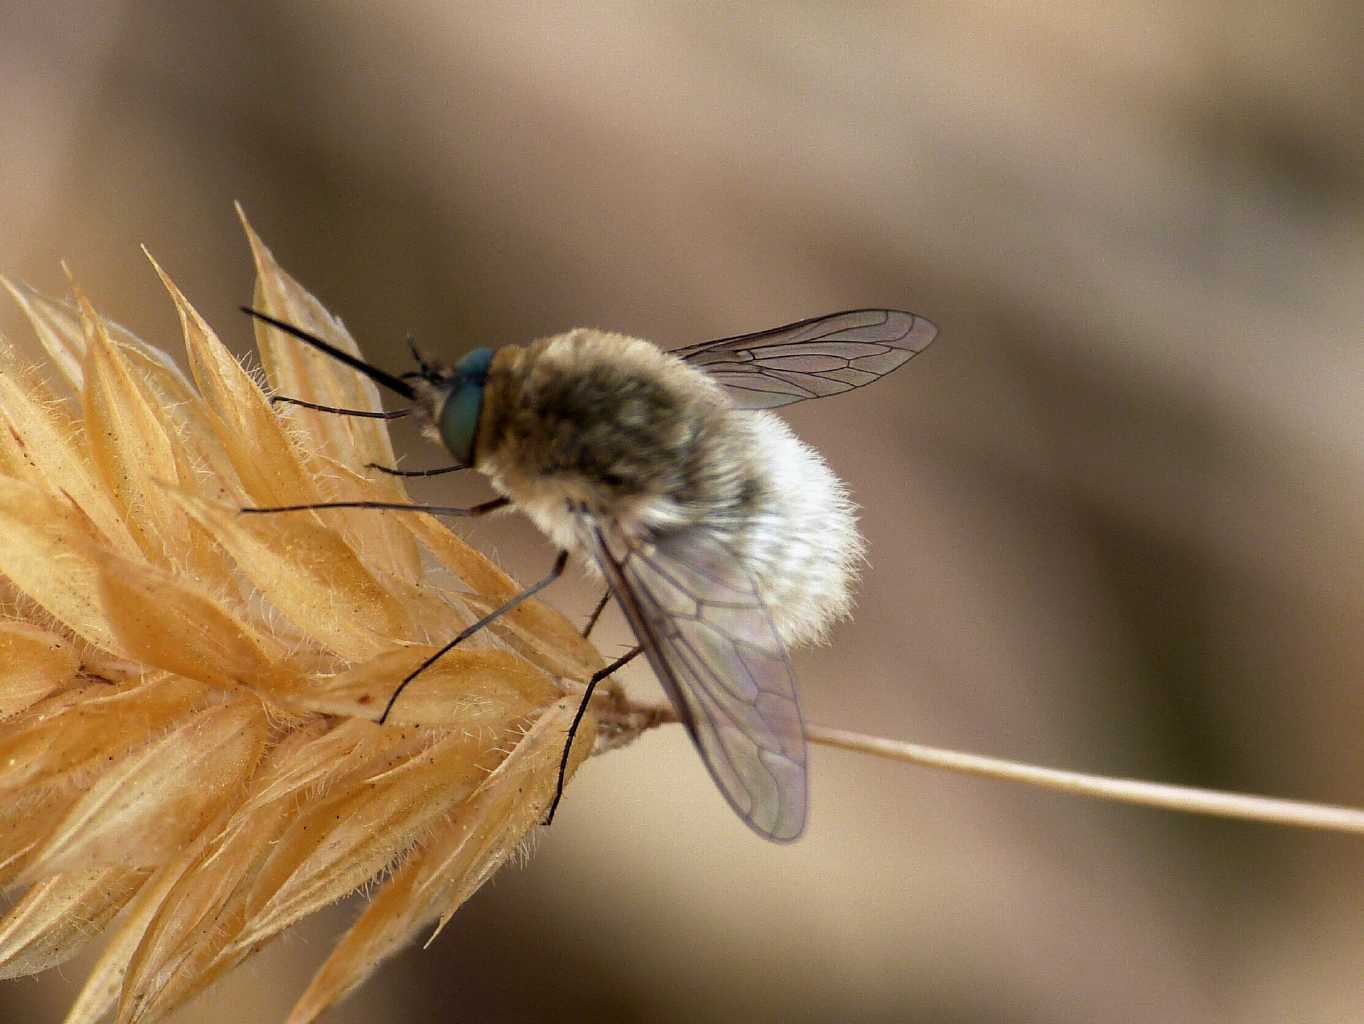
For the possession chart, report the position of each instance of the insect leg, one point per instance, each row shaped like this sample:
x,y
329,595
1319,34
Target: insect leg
x,y
396,414
596,613
554,573
414,472
471,511
597,677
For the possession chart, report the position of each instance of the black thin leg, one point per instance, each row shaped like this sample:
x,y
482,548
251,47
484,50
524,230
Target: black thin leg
x,y
396,414
415,472
436,510
468,631
596,613
597,677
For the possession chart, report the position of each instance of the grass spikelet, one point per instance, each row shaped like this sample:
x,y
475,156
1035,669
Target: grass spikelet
x,y
189,747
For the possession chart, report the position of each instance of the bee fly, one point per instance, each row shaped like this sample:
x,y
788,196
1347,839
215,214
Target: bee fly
x,y
724,538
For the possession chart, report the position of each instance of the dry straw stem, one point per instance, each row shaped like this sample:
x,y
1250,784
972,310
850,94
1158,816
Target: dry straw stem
x,y
1328,817
189,757
1187,799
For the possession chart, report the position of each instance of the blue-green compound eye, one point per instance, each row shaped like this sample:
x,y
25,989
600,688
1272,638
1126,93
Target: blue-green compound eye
x,y
459,416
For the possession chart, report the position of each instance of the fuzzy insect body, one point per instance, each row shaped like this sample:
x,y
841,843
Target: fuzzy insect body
x,y
723,537
639,439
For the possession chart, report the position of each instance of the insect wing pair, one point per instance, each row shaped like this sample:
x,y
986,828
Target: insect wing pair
x,y
698,613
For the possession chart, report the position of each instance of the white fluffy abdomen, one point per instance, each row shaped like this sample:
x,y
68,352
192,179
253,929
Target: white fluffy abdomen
x,y
802,543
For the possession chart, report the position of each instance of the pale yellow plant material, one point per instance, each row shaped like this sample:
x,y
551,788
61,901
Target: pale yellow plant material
x,y
189,745
302,372
217,646
449,868
48,450
78,730
48,550
33,663
130,441
55,917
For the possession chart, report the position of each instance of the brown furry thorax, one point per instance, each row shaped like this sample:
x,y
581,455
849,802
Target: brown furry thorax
x,y
611,422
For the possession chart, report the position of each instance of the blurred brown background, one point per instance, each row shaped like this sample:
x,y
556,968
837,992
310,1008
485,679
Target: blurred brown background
x,y
1114,513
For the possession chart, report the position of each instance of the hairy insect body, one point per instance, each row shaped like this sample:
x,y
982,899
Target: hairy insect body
x,y
802,545
722,537
642,440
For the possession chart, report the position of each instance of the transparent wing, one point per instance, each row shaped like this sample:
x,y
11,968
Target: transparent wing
x,y
826,355
713,646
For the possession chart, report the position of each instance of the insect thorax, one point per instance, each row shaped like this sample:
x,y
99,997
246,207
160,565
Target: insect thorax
x,y
610,421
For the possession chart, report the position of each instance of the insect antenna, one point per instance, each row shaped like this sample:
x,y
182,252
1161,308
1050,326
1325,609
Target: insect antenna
x,y
427,371
395,384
